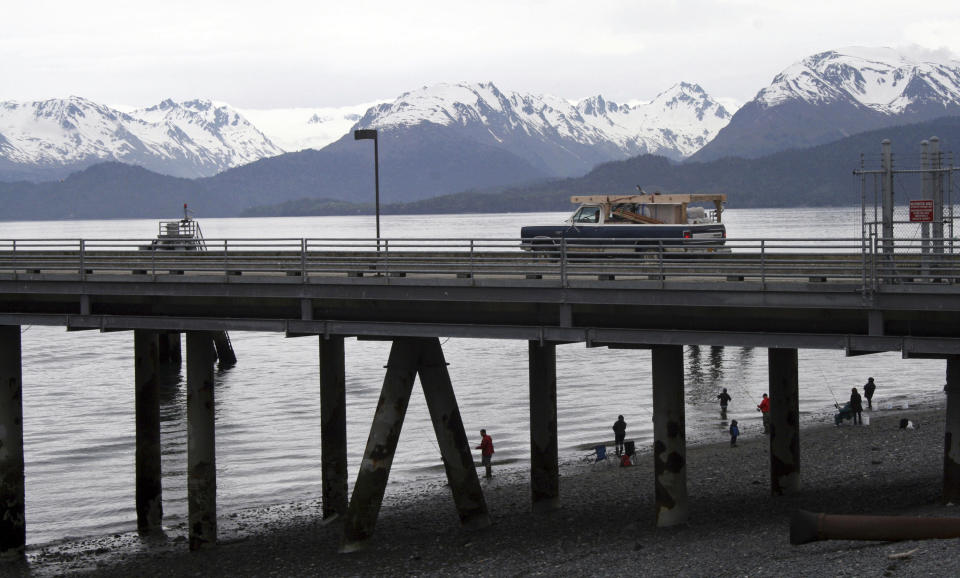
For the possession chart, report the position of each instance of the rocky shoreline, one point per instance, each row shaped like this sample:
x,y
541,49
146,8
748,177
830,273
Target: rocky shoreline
x,y
604,527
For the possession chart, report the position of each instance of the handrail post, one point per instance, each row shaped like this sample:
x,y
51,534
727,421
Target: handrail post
x,y
386,256
563,261
226,267
660,251
83,269
763,263
471,258
303,258
14,258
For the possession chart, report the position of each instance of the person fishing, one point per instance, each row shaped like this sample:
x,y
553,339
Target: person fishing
x,y
764,409
619,433
856,406
724,398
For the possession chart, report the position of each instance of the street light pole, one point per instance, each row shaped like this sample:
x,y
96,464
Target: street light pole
x,y
371,134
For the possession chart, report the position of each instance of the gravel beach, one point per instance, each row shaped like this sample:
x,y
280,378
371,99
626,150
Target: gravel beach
x,y
604,527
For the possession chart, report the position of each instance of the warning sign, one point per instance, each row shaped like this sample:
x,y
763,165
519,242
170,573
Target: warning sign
x,y
921,211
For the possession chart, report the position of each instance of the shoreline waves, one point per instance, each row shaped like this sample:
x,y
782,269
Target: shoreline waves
x,y
605,525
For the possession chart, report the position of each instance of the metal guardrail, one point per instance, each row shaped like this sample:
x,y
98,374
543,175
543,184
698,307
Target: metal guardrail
x,y
869,264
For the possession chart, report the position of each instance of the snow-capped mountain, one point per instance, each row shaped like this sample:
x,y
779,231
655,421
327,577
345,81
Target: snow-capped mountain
x,y
561,138
834,94
55,137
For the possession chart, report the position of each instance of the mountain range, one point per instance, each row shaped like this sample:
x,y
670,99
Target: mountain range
x,y
835,94
443,139
47,140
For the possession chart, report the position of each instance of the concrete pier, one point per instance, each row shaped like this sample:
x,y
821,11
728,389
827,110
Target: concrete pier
x,y
544,467
13,529
381,446
783,378
149,493
169,348
669,436
201,454
333,426
451,437
951,441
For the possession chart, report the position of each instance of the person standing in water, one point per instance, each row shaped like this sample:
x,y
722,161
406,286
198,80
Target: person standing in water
x,y
724,398
486,451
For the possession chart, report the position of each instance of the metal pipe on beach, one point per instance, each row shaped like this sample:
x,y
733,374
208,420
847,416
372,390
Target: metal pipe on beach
x,y
810,527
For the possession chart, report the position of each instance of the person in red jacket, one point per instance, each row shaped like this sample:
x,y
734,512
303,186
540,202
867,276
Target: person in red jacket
x,y
764,409
486,450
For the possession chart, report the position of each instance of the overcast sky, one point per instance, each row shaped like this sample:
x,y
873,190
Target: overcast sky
x,y
280,53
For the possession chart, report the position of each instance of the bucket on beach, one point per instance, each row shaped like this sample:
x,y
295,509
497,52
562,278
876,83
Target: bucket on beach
x,y
866,419
629,448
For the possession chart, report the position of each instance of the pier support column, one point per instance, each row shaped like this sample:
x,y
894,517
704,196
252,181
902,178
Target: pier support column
x,y
225,353
333,426
149,492
201,455
381,446
951,446
169,344
669,436
13,529
451,436
784,421
544,466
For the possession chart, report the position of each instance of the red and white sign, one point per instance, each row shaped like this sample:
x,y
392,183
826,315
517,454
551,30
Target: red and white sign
x,y
921,211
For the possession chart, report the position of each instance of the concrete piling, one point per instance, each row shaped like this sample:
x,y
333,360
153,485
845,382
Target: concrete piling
x,y
201,455
544,465
13,529
669,436
169,347
381,446
149,491
451,436
333,426
783,375
951,442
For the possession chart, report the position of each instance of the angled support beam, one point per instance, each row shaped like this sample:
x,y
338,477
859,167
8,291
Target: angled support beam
x,y
381,445
669,436
784,421
333,426
149,493
451,436
201,455
13,529
544,465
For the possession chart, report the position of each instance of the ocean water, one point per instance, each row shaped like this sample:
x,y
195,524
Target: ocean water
x,y
78,389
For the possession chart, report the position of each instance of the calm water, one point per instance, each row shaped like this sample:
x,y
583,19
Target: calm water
x,y
78,387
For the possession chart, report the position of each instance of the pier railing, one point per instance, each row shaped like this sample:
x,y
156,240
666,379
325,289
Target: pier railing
x,y
869,264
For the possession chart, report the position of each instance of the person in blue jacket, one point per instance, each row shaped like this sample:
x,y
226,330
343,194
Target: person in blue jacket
x,y
734,433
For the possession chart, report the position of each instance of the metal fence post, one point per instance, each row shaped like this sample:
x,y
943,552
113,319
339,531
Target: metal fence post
x,y
83,269
471,258
226,268
763,264
303,258
563,262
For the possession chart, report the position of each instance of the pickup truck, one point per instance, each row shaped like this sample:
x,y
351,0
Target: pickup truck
x,y
635,223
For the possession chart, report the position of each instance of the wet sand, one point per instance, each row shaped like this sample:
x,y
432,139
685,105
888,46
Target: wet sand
x,y
605,525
